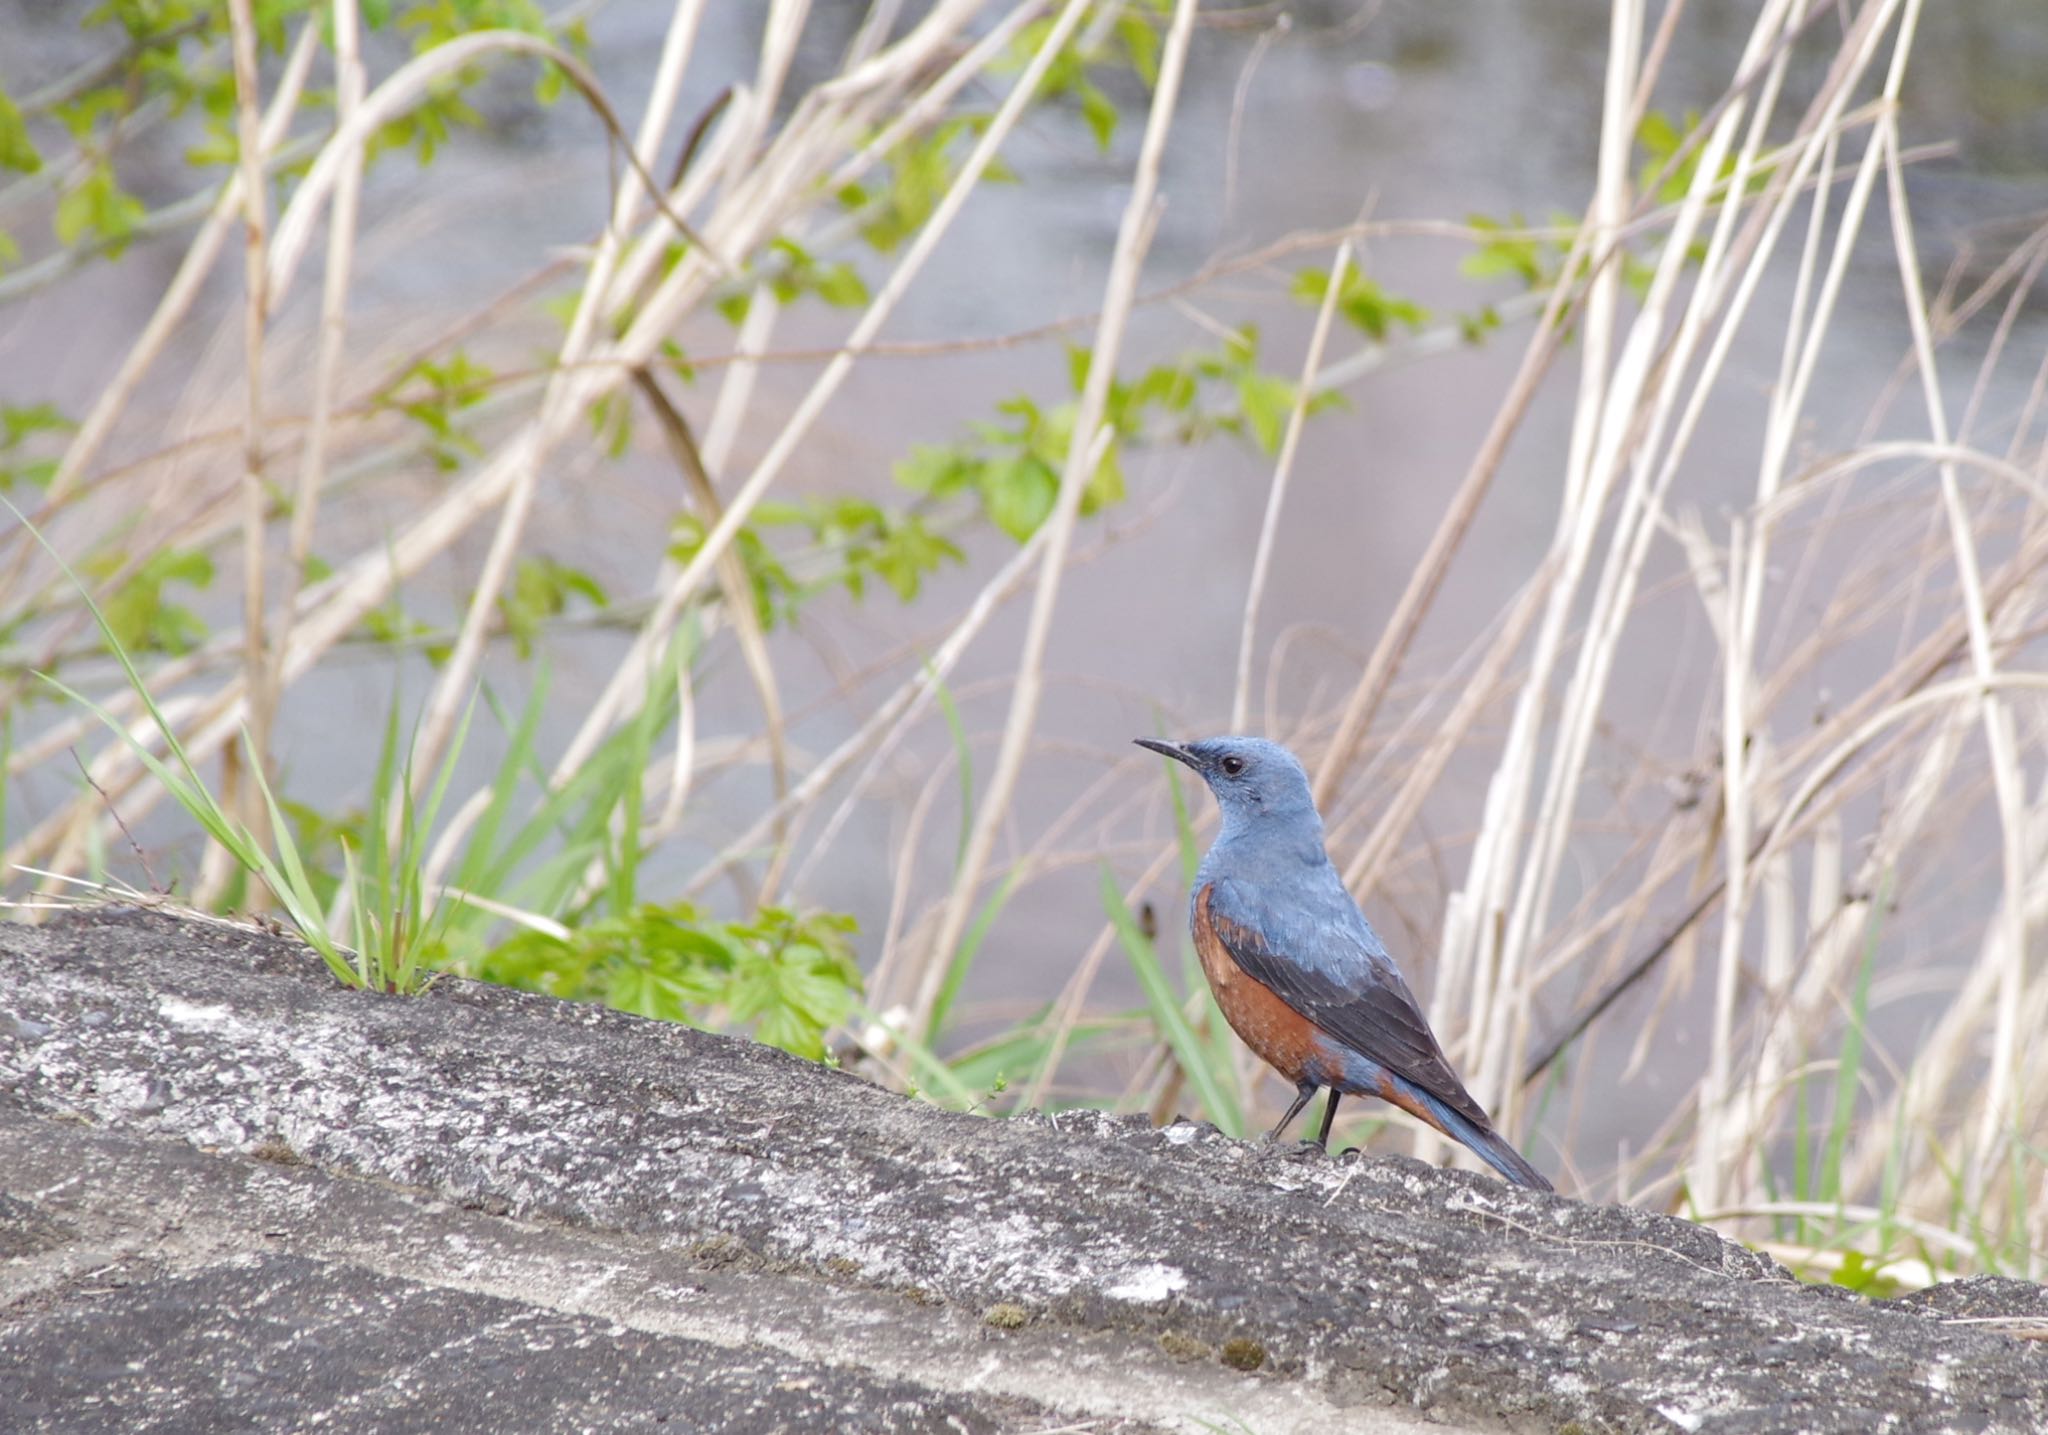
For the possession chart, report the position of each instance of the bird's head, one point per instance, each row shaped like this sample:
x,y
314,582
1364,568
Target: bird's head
x,y
1253,779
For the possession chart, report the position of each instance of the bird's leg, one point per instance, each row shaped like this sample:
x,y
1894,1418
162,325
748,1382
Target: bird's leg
x,y
1302,1093
1329,1119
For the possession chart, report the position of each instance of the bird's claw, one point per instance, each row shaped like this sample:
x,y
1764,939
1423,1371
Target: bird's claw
x,y
1273,1149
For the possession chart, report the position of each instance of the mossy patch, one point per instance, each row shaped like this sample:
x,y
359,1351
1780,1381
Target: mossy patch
x,y
721,1252
1183,1347
1243,1353
277,1152
1005,1316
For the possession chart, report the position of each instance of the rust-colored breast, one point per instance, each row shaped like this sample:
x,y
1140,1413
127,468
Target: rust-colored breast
x,y
1280,1036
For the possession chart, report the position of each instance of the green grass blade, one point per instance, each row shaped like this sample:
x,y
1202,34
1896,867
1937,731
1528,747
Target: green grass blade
x,y
1848,1070
189,790
519,753
970,945
1166,1013
1183,825
1013,1057
183,785
287,880
929,1069
963,757
128,668
1802,1149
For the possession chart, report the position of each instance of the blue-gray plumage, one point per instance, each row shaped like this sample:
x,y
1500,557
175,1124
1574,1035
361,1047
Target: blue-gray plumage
x,y
1297,970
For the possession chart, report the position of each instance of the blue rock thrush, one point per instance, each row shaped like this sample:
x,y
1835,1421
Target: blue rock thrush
x,y
1297,970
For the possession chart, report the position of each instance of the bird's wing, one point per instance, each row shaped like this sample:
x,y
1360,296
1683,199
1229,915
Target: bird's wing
x,y
1351,992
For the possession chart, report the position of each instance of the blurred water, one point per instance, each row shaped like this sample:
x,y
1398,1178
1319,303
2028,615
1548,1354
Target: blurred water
x,y
1426,111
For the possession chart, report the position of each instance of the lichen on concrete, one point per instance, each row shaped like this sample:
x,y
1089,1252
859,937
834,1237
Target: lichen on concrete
x,y
640,1182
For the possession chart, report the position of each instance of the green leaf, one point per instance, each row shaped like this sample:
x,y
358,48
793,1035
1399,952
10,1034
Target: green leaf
x,y
936,470
1080,359
541,590
1100,115
1502,254
908,553
791,977
1362,302
19,425
1661,140
550,84
17,150
1141,43
1019,494
83,114
434,394
98,206
811,987
919,171
139,614
1267,400
1105,487
1171,386
841,286
734,304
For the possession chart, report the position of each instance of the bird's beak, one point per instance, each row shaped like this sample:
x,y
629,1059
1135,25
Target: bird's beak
x,y
1171,749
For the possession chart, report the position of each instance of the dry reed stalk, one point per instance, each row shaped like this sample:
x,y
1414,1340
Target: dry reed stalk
x,y
1486,961
349,83
735,397
176,303
890,723
1283,469
1532,887
1067,1007
907,845
366,581
564,401
243,792
734,586
2001,1111
1741,763
1646,493
1084,454
1754,768
619,694
906,707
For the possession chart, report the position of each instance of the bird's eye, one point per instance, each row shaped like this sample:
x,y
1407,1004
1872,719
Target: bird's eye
x,y
1232,765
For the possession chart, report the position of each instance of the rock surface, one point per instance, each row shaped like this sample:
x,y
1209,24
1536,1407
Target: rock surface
x,y
234,1195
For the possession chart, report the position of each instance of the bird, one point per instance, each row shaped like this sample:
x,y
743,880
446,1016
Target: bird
x,y
1298,971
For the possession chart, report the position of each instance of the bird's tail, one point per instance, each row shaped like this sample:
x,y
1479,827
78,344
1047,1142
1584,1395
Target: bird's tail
x,y
1485,1142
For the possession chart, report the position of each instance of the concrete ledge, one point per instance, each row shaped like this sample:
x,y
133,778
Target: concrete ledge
x,y
235,1195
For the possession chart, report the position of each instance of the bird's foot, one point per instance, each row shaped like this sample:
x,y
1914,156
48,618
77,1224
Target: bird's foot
x,y
1289,1152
